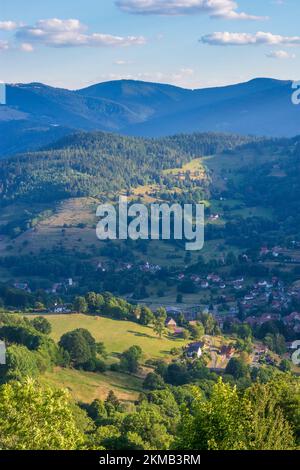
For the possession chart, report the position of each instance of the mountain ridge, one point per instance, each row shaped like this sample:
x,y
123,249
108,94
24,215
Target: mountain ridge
x,y
261,106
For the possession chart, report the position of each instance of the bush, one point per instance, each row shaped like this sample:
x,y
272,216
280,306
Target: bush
x,y
153,381
237,368
81,347
42,325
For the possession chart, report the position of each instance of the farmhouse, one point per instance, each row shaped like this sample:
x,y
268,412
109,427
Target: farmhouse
x,y
170,323
194,349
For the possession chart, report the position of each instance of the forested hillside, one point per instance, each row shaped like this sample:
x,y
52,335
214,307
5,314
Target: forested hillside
x,y
88,164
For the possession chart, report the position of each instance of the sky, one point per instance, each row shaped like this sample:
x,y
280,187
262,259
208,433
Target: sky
x,y
188,43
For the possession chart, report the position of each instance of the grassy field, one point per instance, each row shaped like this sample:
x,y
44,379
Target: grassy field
x,y
194,169
116,335
87,386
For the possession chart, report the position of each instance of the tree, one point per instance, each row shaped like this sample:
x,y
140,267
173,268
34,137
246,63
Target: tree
x,y
269,427
42,325
168,406
19,334
185,334
146,316
244,331
276,343
33,417
208,322
97,412
177,374
153,381
237,368
20,363
285,365
101,350
130,359
112,402
94,302
80,305
146,427
228,421
196,330
244,345
181,319
159,321
80,345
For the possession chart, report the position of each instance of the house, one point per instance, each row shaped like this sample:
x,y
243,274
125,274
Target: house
x,y
61,309
266,317
264,251
170,323
292,318
276,251
22,286
56,287
2,353
194,350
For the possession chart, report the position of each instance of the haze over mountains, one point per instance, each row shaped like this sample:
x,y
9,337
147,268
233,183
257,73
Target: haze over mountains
x,y
36,114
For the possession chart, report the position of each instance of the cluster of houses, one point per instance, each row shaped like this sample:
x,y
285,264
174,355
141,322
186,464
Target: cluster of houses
x,y
275,251
292,321
151,268
61,308
212,280
127,266
272,295
57,287
288,255
22,286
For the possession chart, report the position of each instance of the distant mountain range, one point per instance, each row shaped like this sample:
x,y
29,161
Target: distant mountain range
x,y
37,114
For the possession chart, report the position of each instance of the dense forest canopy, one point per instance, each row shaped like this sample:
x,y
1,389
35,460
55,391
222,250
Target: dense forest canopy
x,y
87,164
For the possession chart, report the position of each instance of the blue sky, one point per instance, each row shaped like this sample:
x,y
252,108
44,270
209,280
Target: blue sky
x,y
191,43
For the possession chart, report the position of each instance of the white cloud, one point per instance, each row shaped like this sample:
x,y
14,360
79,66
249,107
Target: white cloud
x,y
8,25
280,55
55,32
26,47
245,39
122,62
214,8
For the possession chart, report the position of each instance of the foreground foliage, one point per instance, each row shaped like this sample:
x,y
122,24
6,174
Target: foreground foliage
x,y
36,417
32,417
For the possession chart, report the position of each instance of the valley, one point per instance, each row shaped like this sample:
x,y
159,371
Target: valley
x,y
130,327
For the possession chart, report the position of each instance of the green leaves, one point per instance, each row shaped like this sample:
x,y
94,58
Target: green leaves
x,y
230,421
33,417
